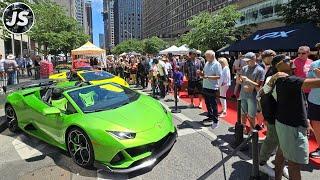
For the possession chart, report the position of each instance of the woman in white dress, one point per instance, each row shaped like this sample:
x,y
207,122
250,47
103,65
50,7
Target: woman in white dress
x,y
225,82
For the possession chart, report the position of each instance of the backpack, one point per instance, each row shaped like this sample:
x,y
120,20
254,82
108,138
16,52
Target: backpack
x,y
269,106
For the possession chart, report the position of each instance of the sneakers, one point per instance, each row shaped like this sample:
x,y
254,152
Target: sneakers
x,y
214,125
265,168
315,154
285,172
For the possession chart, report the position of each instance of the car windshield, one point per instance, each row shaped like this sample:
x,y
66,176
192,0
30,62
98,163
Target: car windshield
x,y
102,97
96,75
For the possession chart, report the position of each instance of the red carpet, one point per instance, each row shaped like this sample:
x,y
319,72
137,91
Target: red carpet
x,y
231,118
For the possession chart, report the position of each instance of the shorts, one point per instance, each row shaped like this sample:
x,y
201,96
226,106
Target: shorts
x,y
249,106
293,142
194,87
313,111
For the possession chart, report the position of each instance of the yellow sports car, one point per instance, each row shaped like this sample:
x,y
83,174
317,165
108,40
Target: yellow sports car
x,y
93,77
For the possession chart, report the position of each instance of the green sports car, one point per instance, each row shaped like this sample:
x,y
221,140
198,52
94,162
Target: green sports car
x,y
107,126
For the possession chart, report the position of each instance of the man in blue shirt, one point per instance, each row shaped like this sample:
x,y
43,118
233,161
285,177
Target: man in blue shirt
x,y
211,74
314,106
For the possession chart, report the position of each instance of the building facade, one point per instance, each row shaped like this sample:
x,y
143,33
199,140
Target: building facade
x,y
101,41
128,20
68,5
88,11
108,19
168,18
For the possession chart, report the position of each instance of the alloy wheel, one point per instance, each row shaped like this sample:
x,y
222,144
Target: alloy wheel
x,y
79,147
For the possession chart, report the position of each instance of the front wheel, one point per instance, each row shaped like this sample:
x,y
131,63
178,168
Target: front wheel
x,y
12,121
80,147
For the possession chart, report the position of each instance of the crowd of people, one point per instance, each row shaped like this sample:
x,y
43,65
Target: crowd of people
x,y
286,90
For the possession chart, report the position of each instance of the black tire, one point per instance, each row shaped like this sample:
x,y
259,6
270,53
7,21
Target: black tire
x,y
80,147
11,118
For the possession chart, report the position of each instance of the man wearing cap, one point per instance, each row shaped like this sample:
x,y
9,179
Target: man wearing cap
x,y
292,125
192,70
251,78
10,66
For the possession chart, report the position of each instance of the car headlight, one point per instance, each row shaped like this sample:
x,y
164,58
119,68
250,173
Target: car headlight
x,y
123,135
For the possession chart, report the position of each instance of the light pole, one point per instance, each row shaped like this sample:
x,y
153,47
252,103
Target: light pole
x,y
128,32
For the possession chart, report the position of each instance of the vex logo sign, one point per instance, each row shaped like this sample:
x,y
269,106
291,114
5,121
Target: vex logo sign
x,y
273,35
18,18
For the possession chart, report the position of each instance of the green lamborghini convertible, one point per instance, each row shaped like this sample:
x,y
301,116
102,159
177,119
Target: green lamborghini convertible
x,y
107,126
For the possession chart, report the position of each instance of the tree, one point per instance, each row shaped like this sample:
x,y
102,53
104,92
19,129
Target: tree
x,y
128,46
300,11
212,31
153,45
54,29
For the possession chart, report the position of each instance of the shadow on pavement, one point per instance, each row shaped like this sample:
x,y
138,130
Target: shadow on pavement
x,y
190,125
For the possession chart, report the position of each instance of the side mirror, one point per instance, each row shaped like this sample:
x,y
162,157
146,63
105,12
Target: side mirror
x,y
50,111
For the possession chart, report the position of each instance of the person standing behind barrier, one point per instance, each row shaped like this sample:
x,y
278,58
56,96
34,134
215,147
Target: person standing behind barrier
x,y
224,83
192,71
162,77
29,66
314,107
236,68
178,79
302,64
292,125
211,74
250,78
11,68
3,75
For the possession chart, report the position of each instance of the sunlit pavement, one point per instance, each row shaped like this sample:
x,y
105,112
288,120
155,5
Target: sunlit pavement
x,y
196,151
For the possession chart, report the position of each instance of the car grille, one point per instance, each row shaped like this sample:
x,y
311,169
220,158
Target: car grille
x,y
148,147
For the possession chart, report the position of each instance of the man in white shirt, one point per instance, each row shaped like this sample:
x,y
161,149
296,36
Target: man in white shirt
x,y
161,66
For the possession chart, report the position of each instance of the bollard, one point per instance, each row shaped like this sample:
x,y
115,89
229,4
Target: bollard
x,y
175,110
239,126
255,156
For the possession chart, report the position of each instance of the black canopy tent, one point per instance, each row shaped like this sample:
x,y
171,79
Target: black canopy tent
x,y
286,38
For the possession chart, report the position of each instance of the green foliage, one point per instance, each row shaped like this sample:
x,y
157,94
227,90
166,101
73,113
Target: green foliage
x,y
212,31
153,45
300,11
128,46
54,29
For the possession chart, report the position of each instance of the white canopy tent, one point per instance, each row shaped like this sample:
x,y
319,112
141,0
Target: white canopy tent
x,y
183,50
173,49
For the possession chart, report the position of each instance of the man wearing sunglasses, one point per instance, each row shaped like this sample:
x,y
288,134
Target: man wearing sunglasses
x,y
292,125
302,64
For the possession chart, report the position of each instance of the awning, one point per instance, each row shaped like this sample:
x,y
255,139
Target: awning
x,y
88,49
287,38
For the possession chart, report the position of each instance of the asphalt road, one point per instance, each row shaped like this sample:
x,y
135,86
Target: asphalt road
x,y
196,151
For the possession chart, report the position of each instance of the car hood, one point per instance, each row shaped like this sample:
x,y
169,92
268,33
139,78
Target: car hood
x,y
114,79
138,116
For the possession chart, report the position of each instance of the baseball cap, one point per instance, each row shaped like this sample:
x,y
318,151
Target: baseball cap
x,y
278,59
249,56
268,53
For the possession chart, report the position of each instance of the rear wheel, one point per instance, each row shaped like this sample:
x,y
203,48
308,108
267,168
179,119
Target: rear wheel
x,y
12,121
80,147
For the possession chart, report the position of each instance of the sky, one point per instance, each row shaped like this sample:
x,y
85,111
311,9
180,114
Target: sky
x,y
97,25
